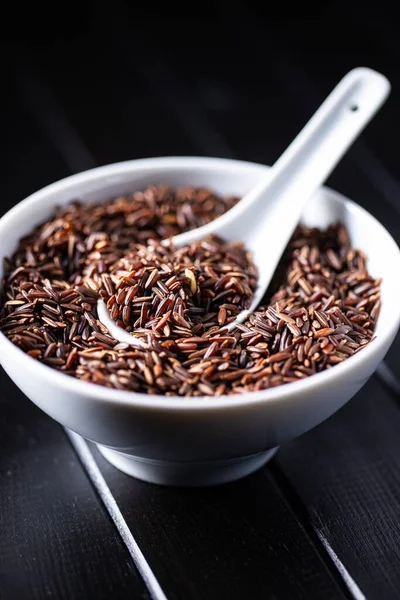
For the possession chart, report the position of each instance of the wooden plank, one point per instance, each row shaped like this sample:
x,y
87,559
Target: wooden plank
x,y
347,473
56,539
234,541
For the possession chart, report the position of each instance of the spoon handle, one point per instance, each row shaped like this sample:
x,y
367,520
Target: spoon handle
x,y
311,157
319,146
273,208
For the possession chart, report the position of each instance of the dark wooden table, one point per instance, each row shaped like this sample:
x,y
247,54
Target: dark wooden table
x,y
322,520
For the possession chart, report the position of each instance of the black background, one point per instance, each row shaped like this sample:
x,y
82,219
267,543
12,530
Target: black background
x,y
88,84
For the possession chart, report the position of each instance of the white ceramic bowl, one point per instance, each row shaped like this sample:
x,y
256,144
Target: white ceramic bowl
x,y
198,441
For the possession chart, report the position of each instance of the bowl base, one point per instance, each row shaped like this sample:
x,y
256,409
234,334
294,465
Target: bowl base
x,y
187,474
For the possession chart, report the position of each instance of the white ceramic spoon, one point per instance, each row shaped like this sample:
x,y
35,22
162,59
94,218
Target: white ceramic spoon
x,y
267,216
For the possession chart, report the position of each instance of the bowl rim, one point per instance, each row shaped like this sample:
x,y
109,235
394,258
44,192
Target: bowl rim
x,y
126,398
